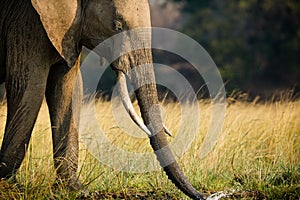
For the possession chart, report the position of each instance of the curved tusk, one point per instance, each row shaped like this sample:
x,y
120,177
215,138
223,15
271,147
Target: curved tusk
x,y
122,89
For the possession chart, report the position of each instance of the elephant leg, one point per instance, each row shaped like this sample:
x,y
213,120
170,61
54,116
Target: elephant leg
x,y
64,107
25,86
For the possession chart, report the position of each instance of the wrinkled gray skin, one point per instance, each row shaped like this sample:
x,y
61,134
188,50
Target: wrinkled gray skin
x,y
32,65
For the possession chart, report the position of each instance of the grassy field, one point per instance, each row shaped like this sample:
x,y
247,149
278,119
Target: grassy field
x,y
257,157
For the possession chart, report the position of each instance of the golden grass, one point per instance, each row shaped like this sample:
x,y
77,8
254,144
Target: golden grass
x,y
257,155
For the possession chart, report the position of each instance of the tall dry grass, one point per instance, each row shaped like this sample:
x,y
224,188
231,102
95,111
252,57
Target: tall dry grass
x,y
257,156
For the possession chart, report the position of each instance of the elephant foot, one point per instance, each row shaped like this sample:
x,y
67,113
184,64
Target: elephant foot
x,y
9,179
11,183
73,186
5,184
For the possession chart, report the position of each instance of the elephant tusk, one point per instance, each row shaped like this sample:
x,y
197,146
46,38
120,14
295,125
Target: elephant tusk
x,y
122,89
167,131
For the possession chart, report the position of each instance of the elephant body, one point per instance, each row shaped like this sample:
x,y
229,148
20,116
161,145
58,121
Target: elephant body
x,y
40,44
31,67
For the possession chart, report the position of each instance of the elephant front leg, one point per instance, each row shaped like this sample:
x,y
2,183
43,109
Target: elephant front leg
x,y
25,88
64,108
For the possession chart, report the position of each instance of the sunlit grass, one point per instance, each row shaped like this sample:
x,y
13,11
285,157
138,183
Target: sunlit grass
x,y
257,156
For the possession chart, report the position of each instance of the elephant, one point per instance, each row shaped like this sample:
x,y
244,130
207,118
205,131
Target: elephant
x,y
40,50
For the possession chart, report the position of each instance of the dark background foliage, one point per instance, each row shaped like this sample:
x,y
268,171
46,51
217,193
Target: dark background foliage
x,y
255,43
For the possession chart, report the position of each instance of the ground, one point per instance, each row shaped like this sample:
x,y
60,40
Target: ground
x,y
257,156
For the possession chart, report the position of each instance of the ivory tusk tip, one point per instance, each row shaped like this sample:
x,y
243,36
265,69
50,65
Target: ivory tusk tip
x,y
167,131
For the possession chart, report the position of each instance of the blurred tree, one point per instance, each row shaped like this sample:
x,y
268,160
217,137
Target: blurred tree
x,y
254,42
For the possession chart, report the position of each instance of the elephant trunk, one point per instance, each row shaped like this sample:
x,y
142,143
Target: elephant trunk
x,y
143,80
148,103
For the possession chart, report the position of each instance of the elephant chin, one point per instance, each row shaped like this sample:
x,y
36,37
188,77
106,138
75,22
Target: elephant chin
x,y
147,97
